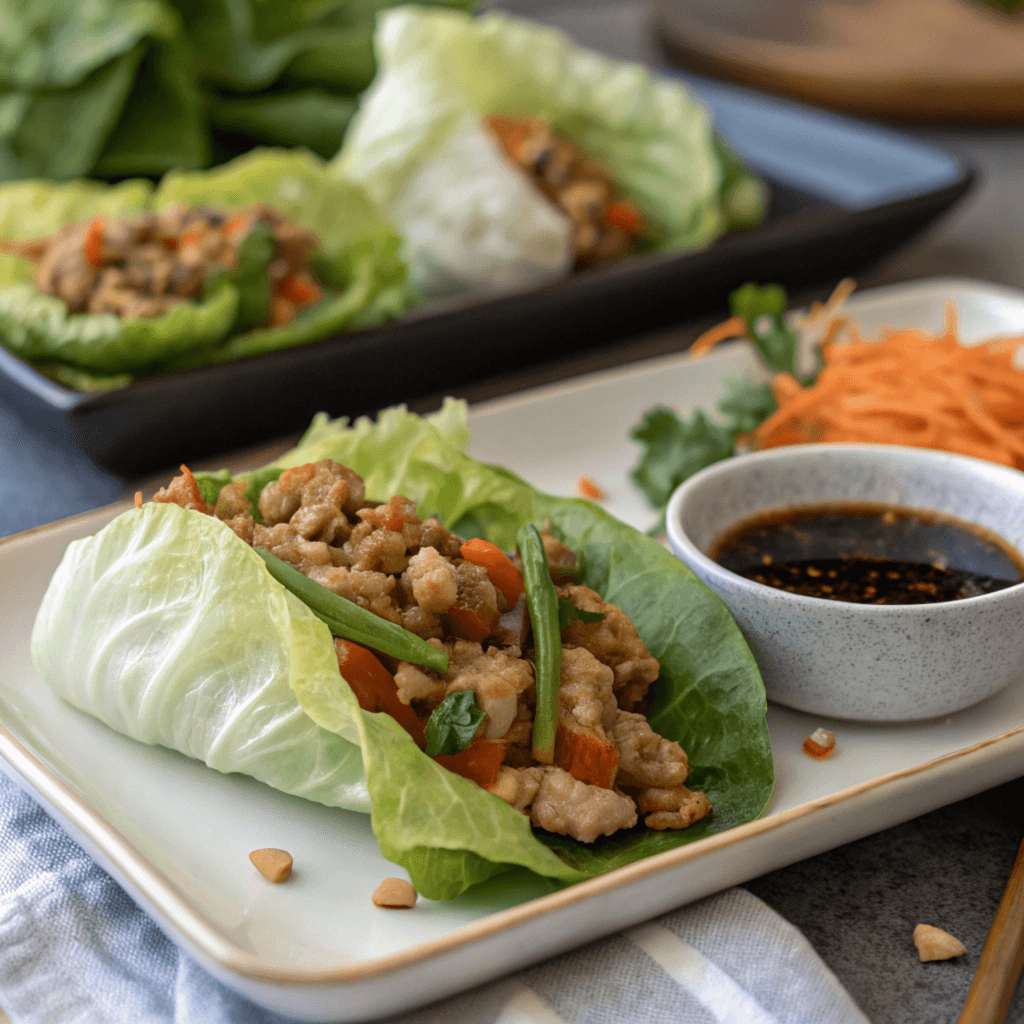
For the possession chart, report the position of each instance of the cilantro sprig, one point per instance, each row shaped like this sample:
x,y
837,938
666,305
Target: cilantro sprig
x,y
454,723
675,447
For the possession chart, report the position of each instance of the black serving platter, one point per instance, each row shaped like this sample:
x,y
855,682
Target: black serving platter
x,y
843,193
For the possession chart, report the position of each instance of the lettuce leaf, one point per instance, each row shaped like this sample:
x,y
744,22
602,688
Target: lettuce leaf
x,y
119,600
169,629
39,327
361,261
471,220
709,696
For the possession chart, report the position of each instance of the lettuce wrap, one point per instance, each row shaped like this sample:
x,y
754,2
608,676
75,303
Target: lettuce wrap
x,y
363,276
470,219
168,627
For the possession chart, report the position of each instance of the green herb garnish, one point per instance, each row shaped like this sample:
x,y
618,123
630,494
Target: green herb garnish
x,y
567,611
454,723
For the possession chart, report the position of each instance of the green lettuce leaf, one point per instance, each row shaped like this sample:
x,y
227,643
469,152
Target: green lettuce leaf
x,y
444,830
709,696
39,327
313,118
361,264
417,145
60,134
169,629
51,44
163,123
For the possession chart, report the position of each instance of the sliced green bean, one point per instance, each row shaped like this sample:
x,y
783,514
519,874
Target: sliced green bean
x,y
346,619
542,602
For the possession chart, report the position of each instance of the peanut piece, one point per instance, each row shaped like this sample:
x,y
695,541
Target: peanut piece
x,y
274,865
395,893
820,744
935,944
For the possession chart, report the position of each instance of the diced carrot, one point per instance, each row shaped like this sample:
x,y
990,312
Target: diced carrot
x,y
468,623
624,214
300,290
192,235
238,224
500,568
94,242
586,757
374,686
281,311
479,762
588,487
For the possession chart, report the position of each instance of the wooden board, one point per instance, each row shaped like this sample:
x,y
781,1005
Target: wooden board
x,y
948,60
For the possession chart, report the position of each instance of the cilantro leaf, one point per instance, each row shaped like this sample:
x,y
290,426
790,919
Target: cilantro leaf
x,y
674,450
454,723
567,611
251,276
778,345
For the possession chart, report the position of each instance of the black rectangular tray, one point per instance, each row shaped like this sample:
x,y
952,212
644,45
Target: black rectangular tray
x,y
843,194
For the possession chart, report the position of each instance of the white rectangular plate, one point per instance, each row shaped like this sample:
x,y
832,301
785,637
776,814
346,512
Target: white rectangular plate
x,y
177,835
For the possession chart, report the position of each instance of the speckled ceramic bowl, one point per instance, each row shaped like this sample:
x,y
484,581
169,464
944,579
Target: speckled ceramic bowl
x,y
868,662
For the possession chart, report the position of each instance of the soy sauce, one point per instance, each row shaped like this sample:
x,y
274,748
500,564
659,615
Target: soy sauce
x,y
868,553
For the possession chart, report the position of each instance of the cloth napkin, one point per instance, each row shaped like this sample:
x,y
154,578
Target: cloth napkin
x,y
75,949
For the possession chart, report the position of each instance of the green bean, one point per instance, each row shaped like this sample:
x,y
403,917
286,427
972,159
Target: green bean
x,y
346,619
542,602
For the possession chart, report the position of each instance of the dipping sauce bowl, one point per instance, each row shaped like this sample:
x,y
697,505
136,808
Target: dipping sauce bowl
x,y
880,663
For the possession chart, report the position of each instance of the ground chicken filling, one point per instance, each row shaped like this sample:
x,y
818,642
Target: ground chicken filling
x,y
603,227
142,266
610,767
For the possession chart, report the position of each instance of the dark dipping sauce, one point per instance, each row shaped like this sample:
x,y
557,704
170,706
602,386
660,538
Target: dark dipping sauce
x,y
868,553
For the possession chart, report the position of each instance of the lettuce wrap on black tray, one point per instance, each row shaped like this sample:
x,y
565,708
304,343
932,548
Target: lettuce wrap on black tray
x,y
101,283
506,155
168,626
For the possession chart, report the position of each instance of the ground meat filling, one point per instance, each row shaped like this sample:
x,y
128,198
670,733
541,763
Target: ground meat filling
x,y
603,228
143,266
610,766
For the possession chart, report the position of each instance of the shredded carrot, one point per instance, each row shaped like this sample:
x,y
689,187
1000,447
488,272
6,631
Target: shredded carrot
x,y
94,242
500,569
911,388
734,327
138,499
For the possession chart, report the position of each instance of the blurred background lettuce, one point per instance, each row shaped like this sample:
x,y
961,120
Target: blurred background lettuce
x,y
117,88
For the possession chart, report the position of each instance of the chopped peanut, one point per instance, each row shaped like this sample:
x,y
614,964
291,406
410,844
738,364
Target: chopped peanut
x,y
588,487
820,744
274,865
935,944
396,893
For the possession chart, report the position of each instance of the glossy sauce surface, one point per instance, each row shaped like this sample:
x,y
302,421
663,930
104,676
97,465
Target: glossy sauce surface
x,y
867,553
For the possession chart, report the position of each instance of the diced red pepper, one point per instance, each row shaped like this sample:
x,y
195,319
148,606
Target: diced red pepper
x,y
374,686
625,215
479,762
500,568
94,242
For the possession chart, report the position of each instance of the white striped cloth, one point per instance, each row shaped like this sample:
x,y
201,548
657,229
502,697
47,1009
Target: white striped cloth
x,y
74,949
